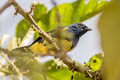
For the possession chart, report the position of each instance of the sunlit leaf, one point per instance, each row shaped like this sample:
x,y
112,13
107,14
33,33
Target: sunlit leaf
x,y
57,74
22,29
79,7
80,76
95,62
90,7
39,11
62,15
94,10
75,12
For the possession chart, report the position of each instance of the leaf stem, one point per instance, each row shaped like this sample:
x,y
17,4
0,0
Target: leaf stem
x,y
20,74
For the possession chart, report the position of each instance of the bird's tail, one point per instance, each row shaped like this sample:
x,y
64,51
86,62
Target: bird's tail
x,y
19,52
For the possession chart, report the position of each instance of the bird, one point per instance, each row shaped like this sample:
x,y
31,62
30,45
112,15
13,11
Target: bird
x,y
66,37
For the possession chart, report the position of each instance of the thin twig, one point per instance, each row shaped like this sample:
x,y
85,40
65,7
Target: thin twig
x,y
30,19
71,64
68,61
5,6
20,75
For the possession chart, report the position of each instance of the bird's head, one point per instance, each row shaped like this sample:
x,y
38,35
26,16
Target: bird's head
x,y
79,29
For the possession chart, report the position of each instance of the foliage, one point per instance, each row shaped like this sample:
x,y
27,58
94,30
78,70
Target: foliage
x,y
68,13
95,62
61,15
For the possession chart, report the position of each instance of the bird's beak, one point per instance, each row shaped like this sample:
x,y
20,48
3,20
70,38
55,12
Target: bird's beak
x,y
88,29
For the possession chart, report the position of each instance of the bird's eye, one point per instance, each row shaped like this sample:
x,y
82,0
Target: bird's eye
x,y
83,27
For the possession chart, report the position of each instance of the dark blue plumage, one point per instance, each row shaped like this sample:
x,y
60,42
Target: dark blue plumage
x,y
78,29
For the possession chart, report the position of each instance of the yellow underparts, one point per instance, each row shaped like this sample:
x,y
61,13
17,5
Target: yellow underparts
x,y
40,48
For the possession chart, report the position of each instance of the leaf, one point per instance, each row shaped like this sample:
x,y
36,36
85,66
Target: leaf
x,y
63,73
80,76
79,7
39,11
21,29
100,56
57,74
70,13
40,16
91,6
109,26
95,62
32,67
36,35
23,26
27,38
94,10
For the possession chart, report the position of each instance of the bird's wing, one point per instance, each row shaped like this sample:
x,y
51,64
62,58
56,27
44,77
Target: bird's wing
x,y
41,46
54,31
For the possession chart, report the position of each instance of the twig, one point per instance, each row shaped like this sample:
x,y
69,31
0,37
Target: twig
x,y
30,19
5,6
20,74
68,61
97,75
72,65
32,8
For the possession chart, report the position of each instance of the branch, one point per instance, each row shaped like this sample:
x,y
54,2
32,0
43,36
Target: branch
x,y
30,19
72,65
20,74
68,61
5,6
97,75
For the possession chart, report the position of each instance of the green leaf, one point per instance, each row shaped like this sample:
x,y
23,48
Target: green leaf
x,y
62,74
79,7
33,68
95,62
91,6
22,29
80,76
100,56
36,35
70,13
65,11
39,11
57,74
62,15
94,10
41,16
23,26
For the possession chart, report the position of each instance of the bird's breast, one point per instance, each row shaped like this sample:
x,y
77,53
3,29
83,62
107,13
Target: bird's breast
x,y
46,48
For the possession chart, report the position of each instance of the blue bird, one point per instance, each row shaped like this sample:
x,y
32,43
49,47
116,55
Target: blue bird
x,y
65,37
